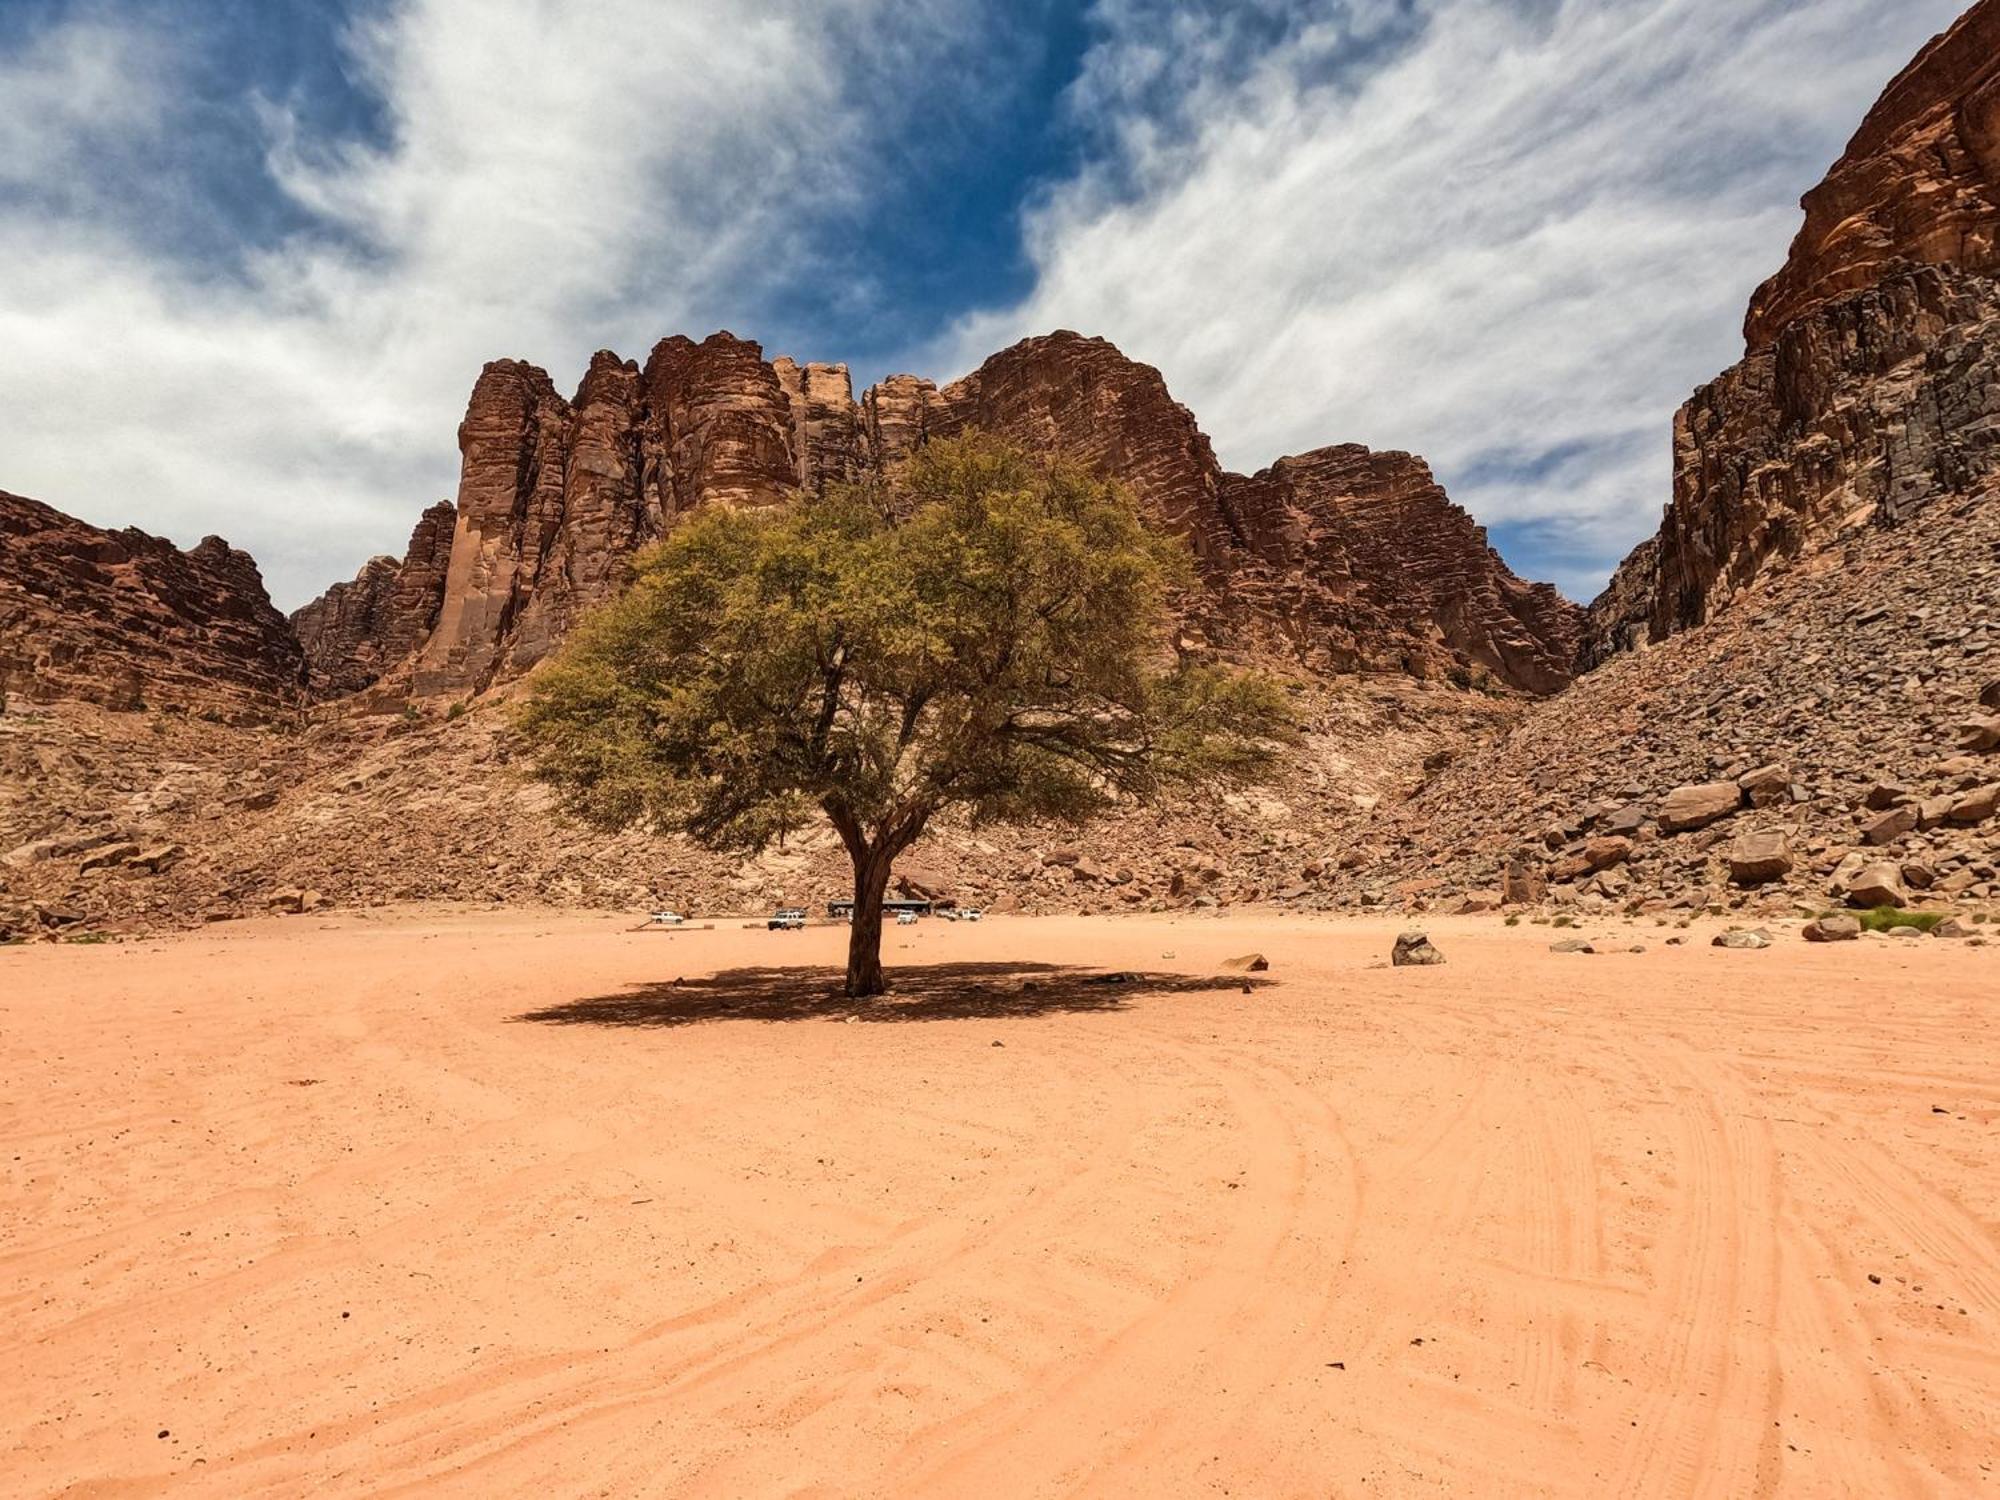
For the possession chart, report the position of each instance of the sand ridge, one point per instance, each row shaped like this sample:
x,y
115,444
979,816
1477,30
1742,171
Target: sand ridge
x,y
489,1204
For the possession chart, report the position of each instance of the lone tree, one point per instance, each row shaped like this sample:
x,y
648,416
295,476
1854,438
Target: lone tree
x,y
991,641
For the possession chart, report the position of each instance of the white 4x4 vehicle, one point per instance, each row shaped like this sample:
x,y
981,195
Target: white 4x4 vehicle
x,y
786,919
971,914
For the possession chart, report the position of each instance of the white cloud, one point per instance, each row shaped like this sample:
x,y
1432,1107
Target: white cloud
x,y
554,179
1531,230
71,88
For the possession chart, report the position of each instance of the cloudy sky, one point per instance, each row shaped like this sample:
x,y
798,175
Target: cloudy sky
x,y
253,252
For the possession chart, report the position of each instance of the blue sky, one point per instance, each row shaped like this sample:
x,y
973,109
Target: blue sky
x,y
256,250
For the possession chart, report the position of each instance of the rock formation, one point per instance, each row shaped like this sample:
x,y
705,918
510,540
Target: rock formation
x,y
1870,386
356,631
124,619
1340,560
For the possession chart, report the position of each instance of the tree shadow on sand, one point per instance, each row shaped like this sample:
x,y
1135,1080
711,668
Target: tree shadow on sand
x,y
930,992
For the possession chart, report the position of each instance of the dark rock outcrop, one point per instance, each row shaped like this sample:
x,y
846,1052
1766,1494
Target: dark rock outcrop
x,y
129,620
1871,383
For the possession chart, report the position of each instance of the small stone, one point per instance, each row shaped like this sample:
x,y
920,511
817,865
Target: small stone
x,y
1414,949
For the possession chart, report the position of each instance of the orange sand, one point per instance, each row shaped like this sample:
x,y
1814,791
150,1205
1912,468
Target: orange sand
x,y
309,1208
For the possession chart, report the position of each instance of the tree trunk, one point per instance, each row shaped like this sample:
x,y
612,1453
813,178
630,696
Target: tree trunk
x,y
864,942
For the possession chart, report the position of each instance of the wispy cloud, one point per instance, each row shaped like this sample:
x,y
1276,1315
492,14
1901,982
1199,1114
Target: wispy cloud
x,y
547,180
1508,234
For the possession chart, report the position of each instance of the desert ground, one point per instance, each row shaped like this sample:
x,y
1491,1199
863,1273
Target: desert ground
x,y
494,1204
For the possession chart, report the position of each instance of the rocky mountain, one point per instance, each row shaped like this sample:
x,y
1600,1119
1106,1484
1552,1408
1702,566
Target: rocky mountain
x,y
126,620
356,631
1338,561
1870,385
1796,681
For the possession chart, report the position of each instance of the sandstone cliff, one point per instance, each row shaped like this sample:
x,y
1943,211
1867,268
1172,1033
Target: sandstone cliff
x,y
125,619
1340,560
356,631
1871,383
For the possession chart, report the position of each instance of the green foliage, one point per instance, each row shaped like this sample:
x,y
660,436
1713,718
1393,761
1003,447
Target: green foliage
x,y
1886,918
989,638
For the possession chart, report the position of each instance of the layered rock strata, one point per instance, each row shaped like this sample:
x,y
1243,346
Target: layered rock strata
x,y
129,620
1340,560
1870,386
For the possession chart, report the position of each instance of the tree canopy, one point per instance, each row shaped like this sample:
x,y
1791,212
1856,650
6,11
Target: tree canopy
x,y
990,637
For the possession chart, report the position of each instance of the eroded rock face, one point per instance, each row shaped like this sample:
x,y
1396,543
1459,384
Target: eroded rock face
x,y
1340,560
1916,185
356,631
124,619
1871,383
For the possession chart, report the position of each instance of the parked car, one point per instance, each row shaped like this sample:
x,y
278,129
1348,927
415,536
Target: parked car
x,y
786,919
668,918
971,914
906,919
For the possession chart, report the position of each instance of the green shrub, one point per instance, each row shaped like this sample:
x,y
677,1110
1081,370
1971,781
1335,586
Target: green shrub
x,y
1883,918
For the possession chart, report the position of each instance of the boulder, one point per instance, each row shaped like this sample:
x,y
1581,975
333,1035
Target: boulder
x,y
1835,927
1978,736
1248,963
1603,853
1755,858
921,883
1687,808
1886,794
60,847
156,859
1626,821
1876,885
1414,949
109,855
1934,810
1738,937
1952,927
1977,805
1887,827
1572,945
1767,786
1523,884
